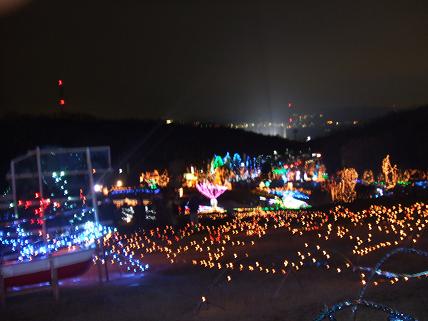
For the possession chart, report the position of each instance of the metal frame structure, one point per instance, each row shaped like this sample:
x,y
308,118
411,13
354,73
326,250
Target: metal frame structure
x,y
39,175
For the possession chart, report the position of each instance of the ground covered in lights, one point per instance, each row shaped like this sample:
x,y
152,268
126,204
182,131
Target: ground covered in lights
x,y
259,266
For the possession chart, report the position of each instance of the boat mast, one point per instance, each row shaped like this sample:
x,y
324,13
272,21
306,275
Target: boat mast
x,y
42,200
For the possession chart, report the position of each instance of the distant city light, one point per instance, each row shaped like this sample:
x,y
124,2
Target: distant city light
x,y
98,188
119,183
308,138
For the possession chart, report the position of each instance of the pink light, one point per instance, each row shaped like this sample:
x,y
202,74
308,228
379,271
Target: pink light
x,y
210,190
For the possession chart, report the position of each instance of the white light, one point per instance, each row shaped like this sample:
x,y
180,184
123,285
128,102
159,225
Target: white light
x,y
120,170
119,183
169,121
308,138
98,188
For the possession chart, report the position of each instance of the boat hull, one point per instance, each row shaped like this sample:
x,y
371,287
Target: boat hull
x,y
68,265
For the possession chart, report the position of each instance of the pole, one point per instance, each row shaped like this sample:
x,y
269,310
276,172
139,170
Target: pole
x,y
100,248
42,210
2,283
91,187
15,202
54,274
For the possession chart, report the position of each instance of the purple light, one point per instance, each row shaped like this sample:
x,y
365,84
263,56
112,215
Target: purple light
x,y
210,190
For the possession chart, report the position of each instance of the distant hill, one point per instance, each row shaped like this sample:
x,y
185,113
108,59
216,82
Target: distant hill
x,y
140,144
403,135
135,144
362,114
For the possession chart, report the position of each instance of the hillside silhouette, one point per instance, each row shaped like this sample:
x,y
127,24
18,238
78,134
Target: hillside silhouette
x,y
403,135
135,144
144,144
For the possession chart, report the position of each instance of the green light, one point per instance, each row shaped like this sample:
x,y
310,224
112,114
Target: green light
x,y
218,162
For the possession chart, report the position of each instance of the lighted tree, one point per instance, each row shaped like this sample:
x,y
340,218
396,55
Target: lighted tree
x,y
322,172
155,178
389,172
405,176
343,189
217,162
368,177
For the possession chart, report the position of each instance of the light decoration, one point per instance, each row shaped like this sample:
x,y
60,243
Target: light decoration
x,y
288,199
126,201
368,177
154,179
289,202
83,235
305,168
344,189
133,191
128,214
390,173
393,315
150,213
234,169
190,179
60,207
217,162
224,171
211,191
229,245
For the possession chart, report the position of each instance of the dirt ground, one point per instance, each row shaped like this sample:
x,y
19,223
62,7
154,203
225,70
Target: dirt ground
x,y
174,292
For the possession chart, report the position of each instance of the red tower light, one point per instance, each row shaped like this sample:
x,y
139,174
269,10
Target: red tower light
x,y
62,102
60,82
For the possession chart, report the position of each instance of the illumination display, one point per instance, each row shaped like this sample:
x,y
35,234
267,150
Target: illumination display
x,y
211,191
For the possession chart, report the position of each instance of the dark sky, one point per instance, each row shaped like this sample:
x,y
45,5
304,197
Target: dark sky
x,y
212,59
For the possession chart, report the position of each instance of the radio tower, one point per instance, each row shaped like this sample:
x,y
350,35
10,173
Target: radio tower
x,y
61,100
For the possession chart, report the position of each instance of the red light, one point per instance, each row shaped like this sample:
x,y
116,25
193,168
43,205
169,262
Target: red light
x,y
62,102
60,82
290,105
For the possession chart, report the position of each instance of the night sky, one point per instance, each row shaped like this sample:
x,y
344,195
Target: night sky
x,y
211,59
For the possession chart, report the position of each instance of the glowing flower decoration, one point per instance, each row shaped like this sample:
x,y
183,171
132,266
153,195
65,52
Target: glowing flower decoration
x,y
211,191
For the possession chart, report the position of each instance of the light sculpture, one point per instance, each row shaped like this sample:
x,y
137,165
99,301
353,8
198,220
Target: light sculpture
x,y
211,191
344,189
390,173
